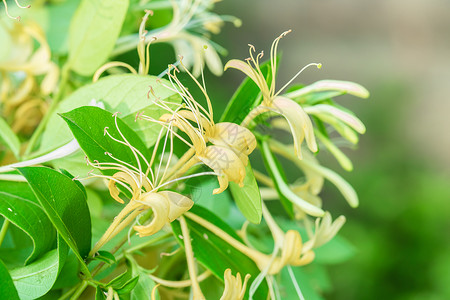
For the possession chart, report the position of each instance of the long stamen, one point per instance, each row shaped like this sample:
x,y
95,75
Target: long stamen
x,y
273,59
185,177
318,65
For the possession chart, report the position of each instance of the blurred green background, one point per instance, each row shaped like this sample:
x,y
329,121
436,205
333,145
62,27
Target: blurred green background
x,y
400,51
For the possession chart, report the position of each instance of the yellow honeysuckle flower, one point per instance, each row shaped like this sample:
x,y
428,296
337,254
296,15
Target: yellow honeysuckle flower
x,y
299,122
24,104
144,185
234,288
231,143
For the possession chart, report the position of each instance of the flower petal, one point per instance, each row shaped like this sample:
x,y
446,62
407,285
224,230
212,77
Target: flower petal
x,y
244,67
161,207
299,122
225,163
236,137
179,204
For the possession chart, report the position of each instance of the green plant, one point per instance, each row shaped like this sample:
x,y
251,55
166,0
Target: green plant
x,y
170,205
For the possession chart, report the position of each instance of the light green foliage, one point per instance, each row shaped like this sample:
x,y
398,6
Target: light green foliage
x,y
93,32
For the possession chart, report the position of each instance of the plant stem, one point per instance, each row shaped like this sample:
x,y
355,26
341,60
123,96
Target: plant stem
x,y
79,290
197,292
4,230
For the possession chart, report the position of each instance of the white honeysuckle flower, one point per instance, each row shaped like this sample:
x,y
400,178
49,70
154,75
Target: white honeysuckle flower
x,y
299,122
346,87
325,230
349,119
231,143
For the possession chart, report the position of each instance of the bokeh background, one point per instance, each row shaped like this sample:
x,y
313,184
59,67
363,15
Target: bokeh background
x,y
400,51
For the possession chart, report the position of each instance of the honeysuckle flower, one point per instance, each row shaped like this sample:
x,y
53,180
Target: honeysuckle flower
x,y
325,230
338,86
144,185
311,165
24,103
189,32
290,244
234,288
231,143
299,122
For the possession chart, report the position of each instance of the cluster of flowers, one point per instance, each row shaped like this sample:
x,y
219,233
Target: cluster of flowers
x,y
223,147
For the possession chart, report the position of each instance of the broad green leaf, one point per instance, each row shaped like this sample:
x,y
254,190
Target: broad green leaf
x,y
248,197
36,279
246,97
88,125
93,32
7,288
126,94
10,139
65,205
19,205
201,193
214,253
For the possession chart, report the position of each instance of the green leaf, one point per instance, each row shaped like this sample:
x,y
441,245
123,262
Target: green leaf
x,y
9,138
88,125
248,197
99,294
106,257
126,94
65,205
214,253
128,286
36,279
19,205
336,251
145,285
246,97
7,288
93,32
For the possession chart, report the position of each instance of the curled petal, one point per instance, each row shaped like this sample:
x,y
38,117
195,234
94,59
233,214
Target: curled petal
x,y
178,203
299,123
236,137
125,178
234,289
161,207
226,164
291,254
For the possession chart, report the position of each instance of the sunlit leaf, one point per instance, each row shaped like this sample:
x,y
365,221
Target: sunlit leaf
x,y
37,278
93,32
